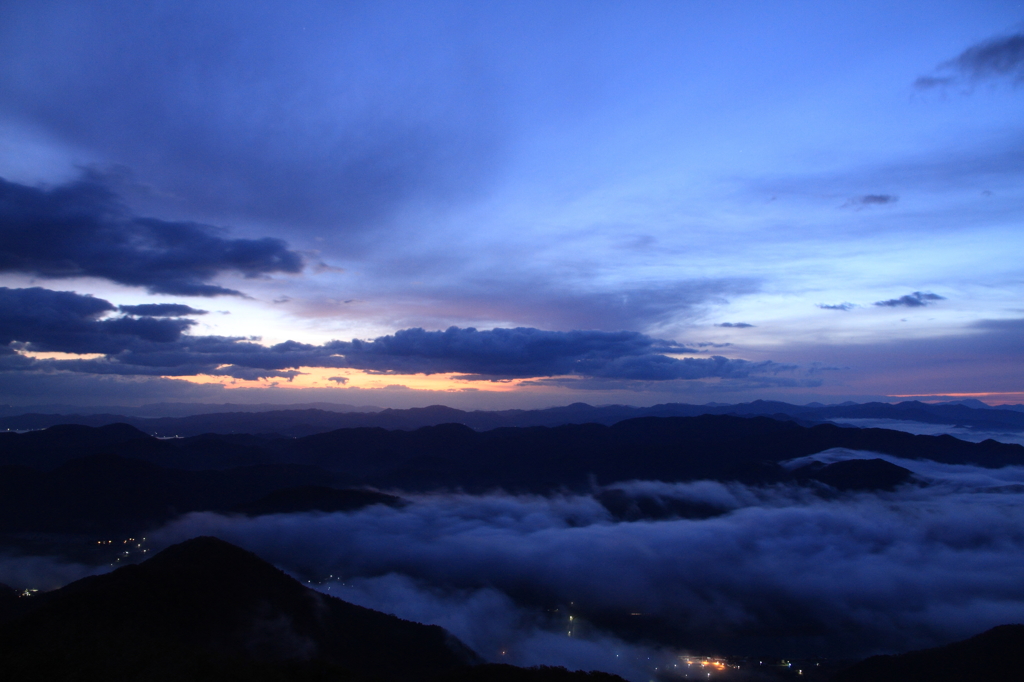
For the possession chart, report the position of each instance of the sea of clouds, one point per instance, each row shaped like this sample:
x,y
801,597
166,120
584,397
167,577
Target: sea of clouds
x,y
780,570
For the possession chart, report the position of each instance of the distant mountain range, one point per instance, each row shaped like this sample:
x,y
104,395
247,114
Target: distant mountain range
x,y
117,479
180,409
295,422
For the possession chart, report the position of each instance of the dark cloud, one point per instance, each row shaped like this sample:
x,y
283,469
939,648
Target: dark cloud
x,y
44,320
837,306
519,352
41,320
995,58
738,325
218,355
252,374
160,310
339,380
82,229
872,200
525,352
64,321
917,299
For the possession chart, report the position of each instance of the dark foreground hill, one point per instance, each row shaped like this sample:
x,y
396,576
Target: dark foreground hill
x,y
207,610
295,422
993,656
203,609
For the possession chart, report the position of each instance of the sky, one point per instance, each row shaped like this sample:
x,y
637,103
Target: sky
x,y
511,204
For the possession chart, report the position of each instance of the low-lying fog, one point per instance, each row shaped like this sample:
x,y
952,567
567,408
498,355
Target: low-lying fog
x,y
924,429
780,570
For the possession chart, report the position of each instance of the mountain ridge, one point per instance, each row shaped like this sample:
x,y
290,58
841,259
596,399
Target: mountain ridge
x,y
307,421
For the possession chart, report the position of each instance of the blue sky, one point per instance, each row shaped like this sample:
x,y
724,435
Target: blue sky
x,y
840,185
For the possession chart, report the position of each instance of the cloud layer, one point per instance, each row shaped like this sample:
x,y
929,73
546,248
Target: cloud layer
x,y
779,570
81,229
281,115
64,321
524,352
41,320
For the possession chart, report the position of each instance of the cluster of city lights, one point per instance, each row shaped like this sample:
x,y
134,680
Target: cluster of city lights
x,y
130,545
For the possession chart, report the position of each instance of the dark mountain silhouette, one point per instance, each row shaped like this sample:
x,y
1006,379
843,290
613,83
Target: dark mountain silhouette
x,y
913,410
294,422
316,498
635,507
145,482
576,456
996,655
497,672
54,446
8,601
856,474
50,448
670,449
178,409
205,609
106,494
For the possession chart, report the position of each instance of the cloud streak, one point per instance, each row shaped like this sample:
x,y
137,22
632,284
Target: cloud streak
x,y
1001,57
82,229
917,299
161,310
872,200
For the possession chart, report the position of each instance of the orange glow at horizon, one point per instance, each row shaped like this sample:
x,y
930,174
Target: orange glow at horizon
x,y
320,377
57,355
998,396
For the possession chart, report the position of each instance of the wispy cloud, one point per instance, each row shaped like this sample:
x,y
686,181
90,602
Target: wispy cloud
x,y
917,299
871,200
161,310
995,58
